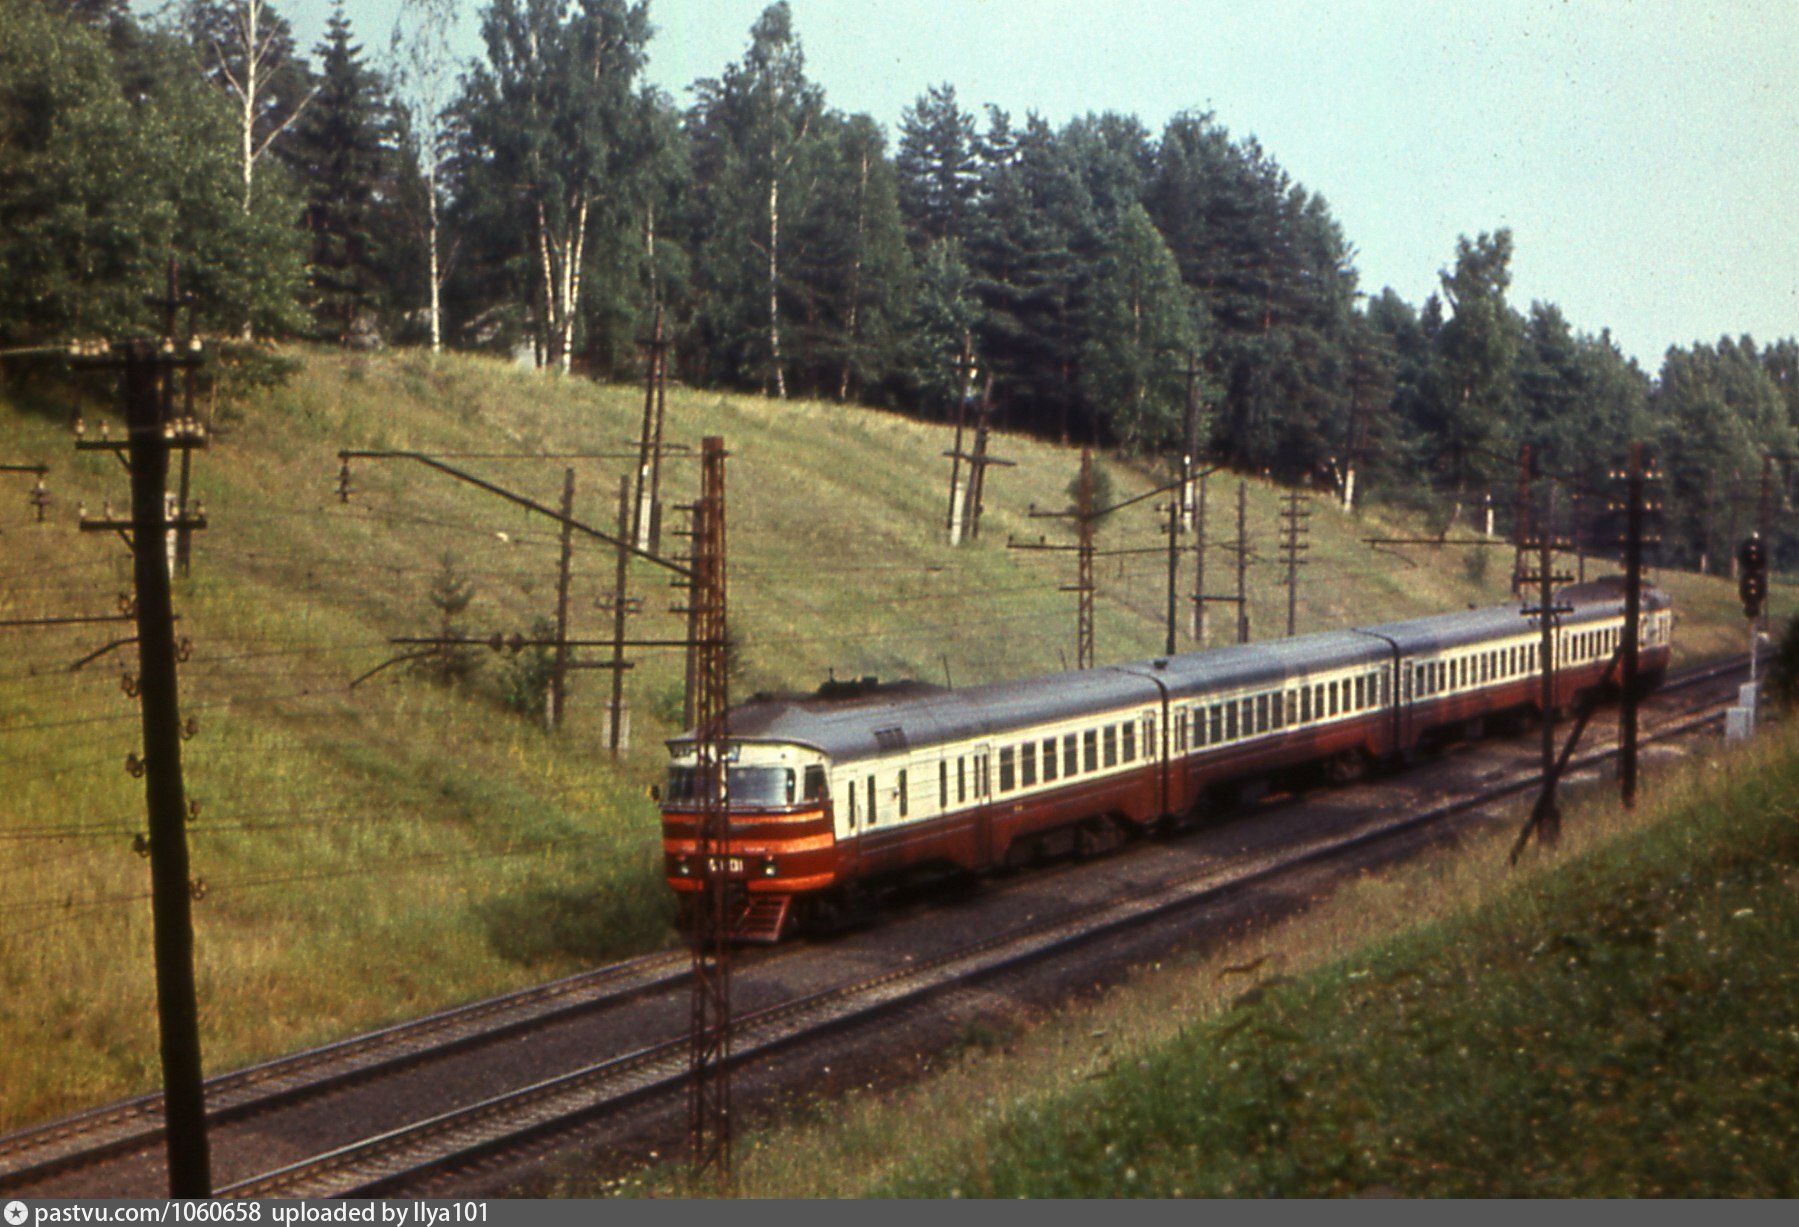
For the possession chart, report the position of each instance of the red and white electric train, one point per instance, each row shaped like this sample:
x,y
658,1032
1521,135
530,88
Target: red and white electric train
x,y
861,784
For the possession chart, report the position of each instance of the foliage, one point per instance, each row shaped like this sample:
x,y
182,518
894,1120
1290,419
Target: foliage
x,y
525,681
346,149
450,594
556,201
98,189
554,120
755,132
1104,494
1781,685
1142,329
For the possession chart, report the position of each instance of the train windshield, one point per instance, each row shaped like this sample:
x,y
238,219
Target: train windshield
x,y
749,787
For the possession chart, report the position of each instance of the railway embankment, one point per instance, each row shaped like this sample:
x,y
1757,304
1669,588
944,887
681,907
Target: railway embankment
x,y
1615,1018
363,855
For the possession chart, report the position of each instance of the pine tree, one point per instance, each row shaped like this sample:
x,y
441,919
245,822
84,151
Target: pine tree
x,y
937,167
1026,274
1142,325
1471,381
849,278
346,150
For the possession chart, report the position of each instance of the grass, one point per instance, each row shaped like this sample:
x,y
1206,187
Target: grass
x,y
1616,1020
375,853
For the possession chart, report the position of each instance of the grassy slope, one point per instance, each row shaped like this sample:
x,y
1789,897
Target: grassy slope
x,y
1615,1022
371,854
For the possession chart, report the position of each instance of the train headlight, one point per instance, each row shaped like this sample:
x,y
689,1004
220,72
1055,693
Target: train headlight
x,y
683,868
768,869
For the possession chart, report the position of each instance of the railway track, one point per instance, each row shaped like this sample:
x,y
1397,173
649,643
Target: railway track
x,y
391,1159
32,1154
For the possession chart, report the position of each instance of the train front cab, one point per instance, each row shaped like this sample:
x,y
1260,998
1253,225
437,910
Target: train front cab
x,y
782,844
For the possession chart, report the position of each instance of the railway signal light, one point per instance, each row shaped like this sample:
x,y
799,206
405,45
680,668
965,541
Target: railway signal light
x,y
1752,576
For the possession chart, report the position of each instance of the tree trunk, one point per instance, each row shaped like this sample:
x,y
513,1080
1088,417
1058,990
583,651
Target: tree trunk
x,y
437,341
843,385
774,281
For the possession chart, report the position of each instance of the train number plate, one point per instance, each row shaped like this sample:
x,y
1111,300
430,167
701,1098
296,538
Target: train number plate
x,y
732,864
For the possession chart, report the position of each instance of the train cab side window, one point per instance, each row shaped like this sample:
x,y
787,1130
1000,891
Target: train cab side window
x,y
873,814
1090,750
1111,743
1071,763
1049,760
1180,731
1027,764
961,780
901,792
942,784
1007,769
1128,730
816,788
1149,737
852,791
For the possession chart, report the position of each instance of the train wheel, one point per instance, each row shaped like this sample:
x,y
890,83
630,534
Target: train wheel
x,y
1096,838
1347,767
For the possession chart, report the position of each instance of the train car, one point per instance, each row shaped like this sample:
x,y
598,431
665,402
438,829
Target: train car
x,y
835,794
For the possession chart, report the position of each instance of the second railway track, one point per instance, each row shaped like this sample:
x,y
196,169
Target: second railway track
x,y
389,1159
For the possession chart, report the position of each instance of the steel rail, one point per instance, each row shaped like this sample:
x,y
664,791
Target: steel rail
x,y
74,1141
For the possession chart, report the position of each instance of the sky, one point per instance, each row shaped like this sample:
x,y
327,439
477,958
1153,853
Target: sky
x,y
1645,155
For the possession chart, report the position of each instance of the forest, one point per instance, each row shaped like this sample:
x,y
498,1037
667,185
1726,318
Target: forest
x,y
545,201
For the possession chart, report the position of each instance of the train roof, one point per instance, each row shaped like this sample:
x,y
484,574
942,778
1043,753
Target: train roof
x,y
865,719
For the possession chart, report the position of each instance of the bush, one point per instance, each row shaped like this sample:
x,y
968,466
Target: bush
x,y
1782,683
525,685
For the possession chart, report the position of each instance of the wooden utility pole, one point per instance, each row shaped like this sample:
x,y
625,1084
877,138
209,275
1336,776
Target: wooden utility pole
x,y
1242,562
1633,622
171,305
964,366
1190,451
615,740
1293,533
1764,526
1174,564
1084,584
559,669
646,518
1200,613
1521,527
1546,818
177,1005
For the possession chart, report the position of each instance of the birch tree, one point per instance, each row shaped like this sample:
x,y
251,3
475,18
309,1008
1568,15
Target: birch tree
x,y
552,118
423,70
250,50
750,125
